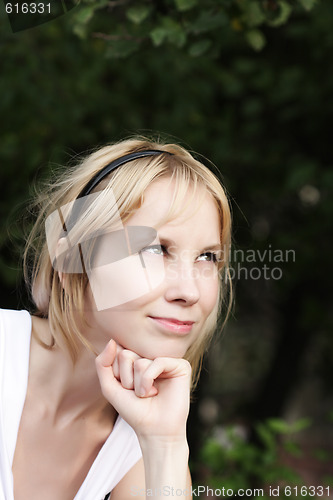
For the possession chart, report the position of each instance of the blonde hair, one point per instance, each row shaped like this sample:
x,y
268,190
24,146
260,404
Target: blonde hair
x,y
127,184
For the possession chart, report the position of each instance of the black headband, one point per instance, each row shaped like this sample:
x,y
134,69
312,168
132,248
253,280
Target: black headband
x,y
115,164
68,225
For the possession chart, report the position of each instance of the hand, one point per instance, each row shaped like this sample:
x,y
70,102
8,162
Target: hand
x,y
151,395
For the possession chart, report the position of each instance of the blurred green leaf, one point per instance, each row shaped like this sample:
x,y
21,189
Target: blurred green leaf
x,y
266,436
158,35
138,13
208,20
199,48
300,424
212,453
253,13
84,14
174,32
292,448
80,30
184,5
256,39
121,48
285,10
170,31
307,4
278,425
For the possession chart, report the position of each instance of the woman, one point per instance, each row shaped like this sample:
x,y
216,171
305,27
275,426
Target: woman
x,y
127,266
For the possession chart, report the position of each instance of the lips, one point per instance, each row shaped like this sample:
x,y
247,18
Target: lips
x,y
172,324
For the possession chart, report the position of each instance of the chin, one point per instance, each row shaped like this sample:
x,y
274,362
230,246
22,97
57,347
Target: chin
x,y
154,352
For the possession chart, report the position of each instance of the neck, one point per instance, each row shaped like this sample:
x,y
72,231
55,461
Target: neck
x,y
63,391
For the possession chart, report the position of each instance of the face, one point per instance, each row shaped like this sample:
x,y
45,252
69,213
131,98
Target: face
x,y
166,320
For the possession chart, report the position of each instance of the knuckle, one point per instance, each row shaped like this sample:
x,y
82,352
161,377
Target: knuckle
x,y
126,355
146,380
140,365
126,383
159,362
115,369
187,366
123,355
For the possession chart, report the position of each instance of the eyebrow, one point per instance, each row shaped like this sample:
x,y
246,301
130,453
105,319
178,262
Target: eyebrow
x,y
167,241
216,246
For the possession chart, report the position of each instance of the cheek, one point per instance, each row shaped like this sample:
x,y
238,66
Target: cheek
x,y
209,292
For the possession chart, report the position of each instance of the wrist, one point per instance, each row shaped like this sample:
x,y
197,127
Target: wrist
x,y
164,445
167,461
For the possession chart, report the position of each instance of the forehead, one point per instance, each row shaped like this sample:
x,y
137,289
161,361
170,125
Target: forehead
x,y
197,211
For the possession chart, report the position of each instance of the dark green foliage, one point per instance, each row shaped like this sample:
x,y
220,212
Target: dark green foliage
x,y
231,461
186,24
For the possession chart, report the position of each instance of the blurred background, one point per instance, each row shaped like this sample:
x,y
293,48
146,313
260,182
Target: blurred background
x,y
249,85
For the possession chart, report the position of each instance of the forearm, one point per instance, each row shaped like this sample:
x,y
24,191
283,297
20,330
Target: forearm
x,y
166,468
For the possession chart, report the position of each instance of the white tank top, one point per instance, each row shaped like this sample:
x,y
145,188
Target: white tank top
x,y
120,451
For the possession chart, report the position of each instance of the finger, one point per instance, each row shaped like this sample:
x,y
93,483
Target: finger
x,y
104,367
107,356
166,368
111,388
115,365
141,389
115,368
126,361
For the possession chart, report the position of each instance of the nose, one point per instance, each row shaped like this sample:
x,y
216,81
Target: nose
x,y
181,284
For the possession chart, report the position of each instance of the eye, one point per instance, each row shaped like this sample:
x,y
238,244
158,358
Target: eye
x,y
208,257
155,249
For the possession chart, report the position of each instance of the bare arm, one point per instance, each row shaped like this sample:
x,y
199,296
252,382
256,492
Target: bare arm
x,y
133,484
153,397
